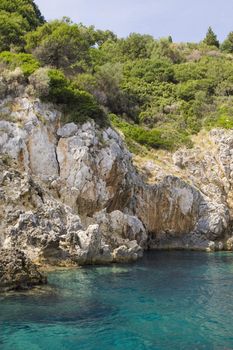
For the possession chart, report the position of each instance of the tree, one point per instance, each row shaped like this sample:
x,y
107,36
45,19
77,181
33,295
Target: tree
x,y
25,8
211,38
227,45
17,17
61,44
137,46
109,77
170,39
12,29
165,48
104,35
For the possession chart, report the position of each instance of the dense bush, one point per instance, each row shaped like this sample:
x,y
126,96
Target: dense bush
x,y
151,138
78,104
39,80
189,71
26,62
187,91
12,82
156,70
223,115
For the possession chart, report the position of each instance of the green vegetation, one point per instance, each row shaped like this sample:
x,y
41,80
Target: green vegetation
x,y
17,17
157,92
25,8
151,138
78,103
61,44
211,38
227,45
26,62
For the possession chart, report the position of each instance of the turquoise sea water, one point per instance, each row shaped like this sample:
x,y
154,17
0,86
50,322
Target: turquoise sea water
x,y
168,300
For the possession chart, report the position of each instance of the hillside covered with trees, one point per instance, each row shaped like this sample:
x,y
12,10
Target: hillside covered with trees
x,y
157,92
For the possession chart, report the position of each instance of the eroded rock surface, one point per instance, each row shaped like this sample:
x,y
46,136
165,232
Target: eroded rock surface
x,y
17,271
71,194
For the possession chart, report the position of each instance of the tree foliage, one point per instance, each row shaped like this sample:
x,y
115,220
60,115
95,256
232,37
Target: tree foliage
x,y
211,38
61,44
17,17
227,45
80,104
25,8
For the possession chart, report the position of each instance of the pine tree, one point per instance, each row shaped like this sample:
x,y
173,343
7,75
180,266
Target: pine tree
x,y
227,45
170,39
211,38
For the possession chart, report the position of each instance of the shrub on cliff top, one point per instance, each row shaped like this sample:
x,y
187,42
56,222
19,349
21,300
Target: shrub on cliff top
x,y
26,62
76,104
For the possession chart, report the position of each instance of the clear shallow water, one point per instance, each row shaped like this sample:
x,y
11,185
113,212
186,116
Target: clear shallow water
x,y
168,300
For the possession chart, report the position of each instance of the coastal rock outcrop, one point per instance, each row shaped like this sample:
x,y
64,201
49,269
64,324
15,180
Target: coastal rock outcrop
x,y
17,271
71,193
177,215
50,232
95,169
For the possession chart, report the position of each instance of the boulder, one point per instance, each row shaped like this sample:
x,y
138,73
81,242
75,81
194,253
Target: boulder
x,y
17,271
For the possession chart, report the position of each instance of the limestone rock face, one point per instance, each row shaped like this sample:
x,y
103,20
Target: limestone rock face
x,y
49,232
27,134
70,194
175,211
17,271
132,250
119,228
94,169
90,248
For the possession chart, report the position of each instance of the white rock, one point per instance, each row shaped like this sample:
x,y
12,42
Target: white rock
x,y
67,130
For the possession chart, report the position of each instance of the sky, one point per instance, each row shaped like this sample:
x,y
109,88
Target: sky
x,y
184,20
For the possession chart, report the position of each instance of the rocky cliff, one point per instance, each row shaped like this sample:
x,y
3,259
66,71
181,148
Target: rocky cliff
x,y
71,194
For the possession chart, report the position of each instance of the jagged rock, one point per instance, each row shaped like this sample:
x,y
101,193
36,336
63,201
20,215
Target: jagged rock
x,y
34,144
130,252
118,228
90,248
67,130
41,146
94,170
71,192
174,208
17,271
48,231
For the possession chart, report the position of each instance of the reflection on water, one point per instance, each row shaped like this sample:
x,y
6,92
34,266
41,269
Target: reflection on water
x,y
168,300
